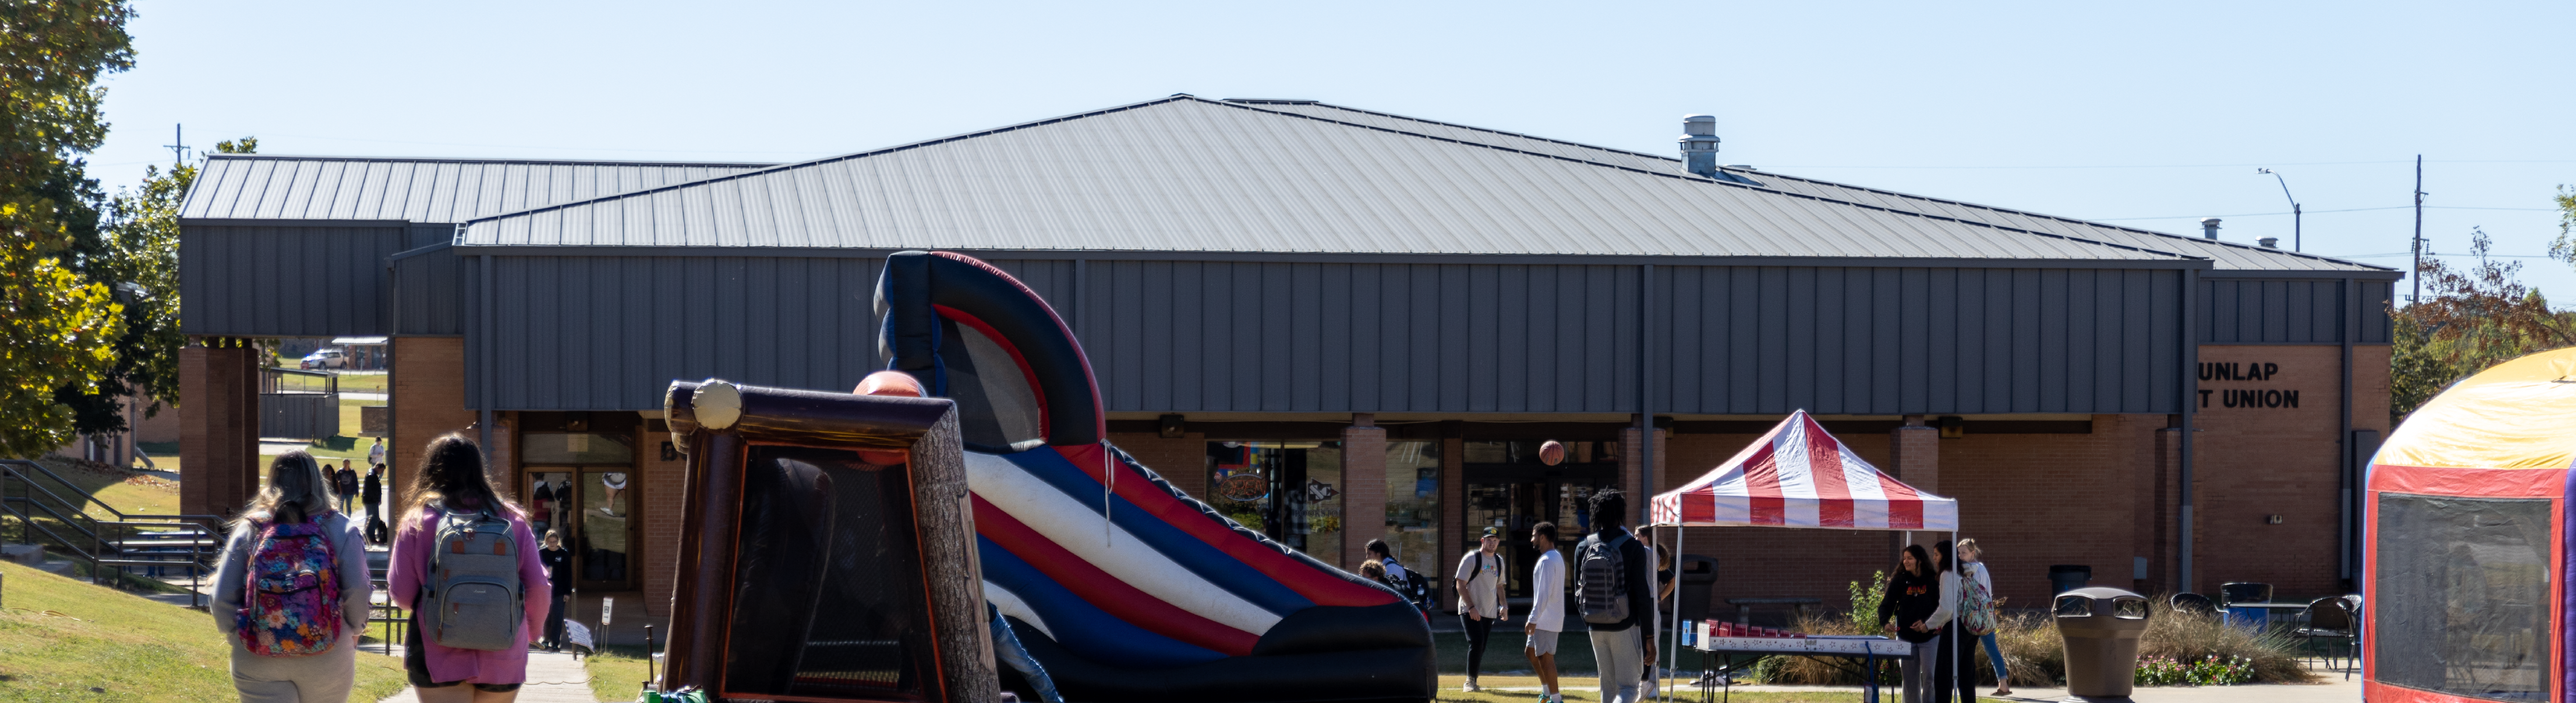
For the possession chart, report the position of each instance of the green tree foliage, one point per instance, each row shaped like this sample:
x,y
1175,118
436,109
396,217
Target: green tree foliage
x,y
139,251
57,327
2472,318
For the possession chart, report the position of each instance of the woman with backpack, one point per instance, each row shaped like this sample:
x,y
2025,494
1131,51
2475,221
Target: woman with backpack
x,y
1977,609
291,591
465,555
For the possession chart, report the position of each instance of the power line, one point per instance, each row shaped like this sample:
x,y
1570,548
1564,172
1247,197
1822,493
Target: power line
x,y
2357,209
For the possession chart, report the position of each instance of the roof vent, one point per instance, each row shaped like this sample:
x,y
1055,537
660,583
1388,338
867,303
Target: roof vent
x,y
2269,242
2209,228
1699,144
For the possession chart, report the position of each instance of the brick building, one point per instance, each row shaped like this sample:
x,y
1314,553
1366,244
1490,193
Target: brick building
x,y
1381,314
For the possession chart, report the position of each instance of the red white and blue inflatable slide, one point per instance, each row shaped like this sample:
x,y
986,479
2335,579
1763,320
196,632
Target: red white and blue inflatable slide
x,y
1122,587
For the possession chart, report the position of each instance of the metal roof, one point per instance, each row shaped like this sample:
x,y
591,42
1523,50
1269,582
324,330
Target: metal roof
x,y
1186,174
265,187
2224,255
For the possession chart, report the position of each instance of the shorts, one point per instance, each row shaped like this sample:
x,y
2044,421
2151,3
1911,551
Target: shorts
x,y
416,665
1542,643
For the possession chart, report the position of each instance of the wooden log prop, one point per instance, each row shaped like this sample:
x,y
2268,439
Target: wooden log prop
x,y
810,569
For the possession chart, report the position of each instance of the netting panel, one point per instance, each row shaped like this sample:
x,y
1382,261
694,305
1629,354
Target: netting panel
x,y
2461,602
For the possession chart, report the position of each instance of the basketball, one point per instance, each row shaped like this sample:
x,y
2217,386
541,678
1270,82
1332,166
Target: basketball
x,y
887,383
1551,453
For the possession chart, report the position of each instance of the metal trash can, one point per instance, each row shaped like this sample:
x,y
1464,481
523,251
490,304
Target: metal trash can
x,y
2101,627
1699,578
2068,577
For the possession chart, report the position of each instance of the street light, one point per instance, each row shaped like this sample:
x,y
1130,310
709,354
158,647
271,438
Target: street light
x,y
2294,205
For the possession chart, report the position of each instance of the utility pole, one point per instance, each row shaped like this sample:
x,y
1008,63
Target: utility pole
x,y
2417,274
178,145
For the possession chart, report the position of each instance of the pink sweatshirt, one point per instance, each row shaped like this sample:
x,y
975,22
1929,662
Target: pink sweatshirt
x,y
409,566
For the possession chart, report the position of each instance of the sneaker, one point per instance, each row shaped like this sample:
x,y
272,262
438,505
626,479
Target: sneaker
x,y
1471,686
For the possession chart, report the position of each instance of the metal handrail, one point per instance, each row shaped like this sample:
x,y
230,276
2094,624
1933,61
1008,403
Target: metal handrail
x,y
99,554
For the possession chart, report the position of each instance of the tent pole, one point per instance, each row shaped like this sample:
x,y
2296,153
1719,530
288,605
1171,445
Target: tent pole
x,y
1672,654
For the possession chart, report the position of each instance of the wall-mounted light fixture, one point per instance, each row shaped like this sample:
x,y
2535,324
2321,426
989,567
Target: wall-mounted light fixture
x,y
1953,427
1172,427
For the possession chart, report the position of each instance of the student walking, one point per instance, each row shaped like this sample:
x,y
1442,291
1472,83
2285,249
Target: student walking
x,y
558,561
345,483
376,453
1911,609
371,495
1407,583
1950,661
1547,610
1480,599
463,551
291,591
1977,610
1614,580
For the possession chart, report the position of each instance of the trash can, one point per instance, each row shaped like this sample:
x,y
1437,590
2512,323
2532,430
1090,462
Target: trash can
x,y
2101,627
1699,578
2068,577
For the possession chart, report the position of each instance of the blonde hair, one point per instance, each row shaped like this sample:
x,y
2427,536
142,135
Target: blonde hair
x,y
294,483
1968,547
1373,569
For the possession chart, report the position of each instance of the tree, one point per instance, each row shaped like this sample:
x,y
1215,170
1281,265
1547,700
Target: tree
x,y
56,327
2474,318
139,252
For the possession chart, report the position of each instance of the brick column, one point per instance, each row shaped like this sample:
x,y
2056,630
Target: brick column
x,y
427,392
1631,469
218,427
665,489
1363,491
1453,521
2164,566
1914,455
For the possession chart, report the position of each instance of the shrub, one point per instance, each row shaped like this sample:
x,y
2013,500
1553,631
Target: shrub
x,y
2182,648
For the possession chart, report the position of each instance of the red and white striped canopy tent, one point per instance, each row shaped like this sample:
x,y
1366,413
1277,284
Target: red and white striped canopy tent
x,y
1800,476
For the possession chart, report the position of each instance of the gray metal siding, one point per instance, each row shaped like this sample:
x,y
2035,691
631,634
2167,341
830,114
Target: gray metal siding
x,y
2269,311
283,281
2375,299
1767,340
428,286
608,333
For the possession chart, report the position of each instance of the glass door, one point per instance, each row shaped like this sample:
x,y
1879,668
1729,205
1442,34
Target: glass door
x,y
608,529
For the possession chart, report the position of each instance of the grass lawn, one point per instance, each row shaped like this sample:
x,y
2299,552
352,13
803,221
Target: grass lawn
x,y
1503,652
616,673
66,639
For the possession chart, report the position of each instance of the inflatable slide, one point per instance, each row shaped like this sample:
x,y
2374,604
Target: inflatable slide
x,y
1122,587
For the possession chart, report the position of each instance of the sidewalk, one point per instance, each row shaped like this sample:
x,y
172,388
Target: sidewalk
x,y
552,678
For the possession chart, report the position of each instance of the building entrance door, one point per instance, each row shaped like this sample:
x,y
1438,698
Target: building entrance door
x,y
592,508
1517,496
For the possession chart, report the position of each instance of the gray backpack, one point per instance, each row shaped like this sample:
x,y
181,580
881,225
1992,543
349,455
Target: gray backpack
x,y
1601,580
473,599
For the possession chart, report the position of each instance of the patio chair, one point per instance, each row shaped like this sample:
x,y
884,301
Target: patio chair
x,y
2244,592
2193,603
2330,618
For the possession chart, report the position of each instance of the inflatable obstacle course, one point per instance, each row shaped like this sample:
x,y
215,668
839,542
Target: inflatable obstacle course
x,y
1115,585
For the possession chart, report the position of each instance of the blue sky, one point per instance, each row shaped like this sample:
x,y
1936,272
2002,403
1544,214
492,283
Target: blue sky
x,y
2153,115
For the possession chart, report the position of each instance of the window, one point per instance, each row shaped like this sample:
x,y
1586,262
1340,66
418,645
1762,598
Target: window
x,y
1413,505
1290,491
2463,591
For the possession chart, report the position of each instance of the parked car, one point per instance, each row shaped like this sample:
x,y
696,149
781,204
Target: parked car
x,y
325,359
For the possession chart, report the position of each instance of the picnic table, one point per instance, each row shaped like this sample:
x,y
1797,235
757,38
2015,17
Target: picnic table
x,y
1870,649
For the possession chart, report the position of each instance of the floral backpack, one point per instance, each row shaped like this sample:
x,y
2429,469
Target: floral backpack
x,y
291,599
1977,604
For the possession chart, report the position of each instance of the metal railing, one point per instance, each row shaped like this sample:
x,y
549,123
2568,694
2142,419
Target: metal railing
x,y
277,380
54,513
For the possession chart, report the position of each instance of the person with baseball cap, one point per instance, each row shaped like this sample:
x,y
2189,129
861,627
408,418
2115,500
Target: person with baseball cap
x,y
1480,598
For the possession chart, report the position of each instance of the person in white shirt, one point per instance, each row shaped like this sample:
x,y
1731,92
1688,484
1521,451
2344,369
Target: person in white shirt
x,y
1547,610
1480,599
376,457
